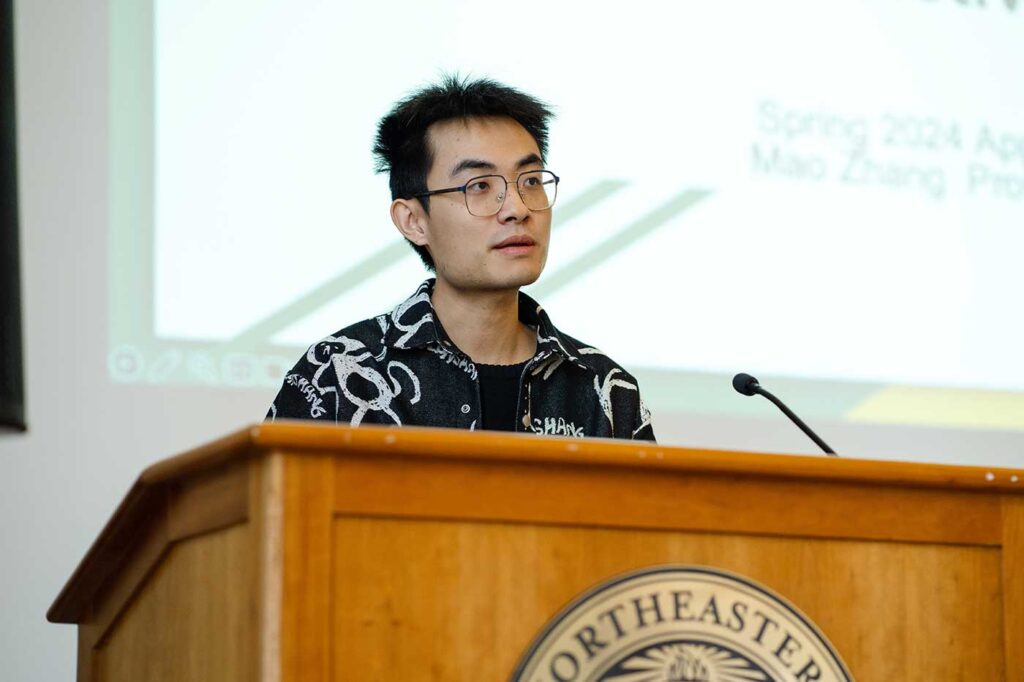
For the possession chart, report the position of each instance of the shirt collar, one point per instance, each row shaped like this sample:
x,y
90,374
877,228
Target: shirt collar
x,y
412,324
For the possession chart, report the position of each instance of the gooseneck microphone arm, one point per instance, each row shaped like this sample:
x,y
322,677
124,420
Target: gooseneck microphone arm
x,y
748,385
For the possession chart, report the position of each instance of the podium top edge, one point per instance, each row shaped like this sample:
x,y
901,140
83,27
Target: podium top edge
x,y
459,444
303,439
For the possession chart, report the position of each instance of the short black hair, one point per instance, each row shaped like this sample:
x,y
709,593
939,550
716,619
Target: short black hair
x,y
401,148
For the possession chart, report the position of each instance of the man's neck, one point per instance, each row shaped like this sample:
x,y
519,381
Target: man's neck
x,y
484,324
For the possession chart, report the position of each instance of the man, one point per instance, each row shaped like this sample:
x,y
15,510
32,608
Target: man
x,y
468,350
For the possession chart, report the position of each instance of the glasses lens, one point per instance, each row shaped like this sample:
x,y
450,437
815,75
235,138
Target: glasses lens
x,y
538,189
484,195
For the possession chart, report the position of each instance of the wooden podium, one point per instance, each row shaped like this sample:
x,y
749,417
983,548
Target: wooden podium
x,y
291,552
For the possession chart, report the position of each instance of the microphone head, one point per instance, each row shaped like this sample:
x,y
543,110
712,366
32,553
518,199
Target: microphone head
x,y
745,384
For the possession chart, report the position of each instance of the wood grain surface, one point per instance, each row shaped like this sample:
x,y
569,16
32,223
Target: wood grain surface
x,y
307,566
297,552
479,592
1013,585
680,499
195,618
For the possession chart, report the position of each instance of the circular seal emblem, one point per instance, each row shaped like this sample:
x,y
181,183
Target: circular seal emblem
x,y
680,624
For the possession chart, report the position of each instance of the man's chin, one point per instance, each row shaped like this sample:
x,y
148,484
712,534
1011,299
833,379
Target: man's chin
x,y
492,279
506,283
513,275
528,280
523,279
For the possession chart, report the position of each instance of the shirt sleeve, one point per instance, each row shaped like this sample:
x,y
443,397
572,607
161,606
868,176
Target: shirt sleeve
x,y
307,392
642,427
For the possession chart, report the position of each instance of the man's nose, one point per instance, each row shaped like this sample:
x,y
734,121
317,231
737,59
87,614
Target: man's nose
x,y
512,206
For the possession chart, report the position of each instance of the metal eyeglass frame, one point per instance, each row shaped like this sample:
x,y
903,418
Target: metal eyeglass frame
x,y
462,188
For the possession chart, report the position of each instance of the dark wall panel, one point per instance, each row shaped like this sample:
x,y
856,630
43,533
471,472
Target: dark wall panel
x,y
12,392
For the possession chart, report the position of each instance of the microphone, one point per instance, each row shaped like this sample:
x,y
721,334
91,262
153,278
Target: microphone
x,y
748,385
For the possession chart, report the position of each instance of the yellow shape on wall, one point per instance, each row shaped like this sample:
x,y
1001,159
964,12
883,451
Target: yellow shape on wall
x,y
942,407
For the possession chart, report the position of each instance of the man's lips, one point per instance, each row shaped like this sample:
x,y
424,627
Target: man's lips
x,y
515,241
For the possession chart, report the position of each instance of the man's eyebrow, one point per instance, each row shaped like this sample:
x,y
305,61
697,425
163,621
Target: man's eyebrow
x,y
528,160
479,164
472,164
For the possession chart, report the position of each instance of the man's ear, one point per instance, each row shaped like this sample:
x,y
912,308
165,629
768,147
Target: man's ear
x,y
410,219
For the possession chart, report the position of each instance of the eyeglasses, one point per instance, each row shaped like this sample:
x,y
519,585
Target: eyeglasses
x,y
485,194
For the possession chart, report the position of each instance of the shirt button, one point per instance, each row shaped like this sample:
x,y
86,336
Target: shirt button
x,y
465,409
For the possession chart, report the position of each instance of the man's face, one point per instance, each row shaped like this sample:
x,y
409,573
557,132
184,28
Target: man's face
x,y
506,250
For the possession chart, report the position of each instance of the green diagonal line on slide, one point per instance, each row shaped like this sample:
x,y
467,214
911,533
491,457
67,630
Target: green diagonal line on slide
x,y
619,241
585,201
306,304
322,295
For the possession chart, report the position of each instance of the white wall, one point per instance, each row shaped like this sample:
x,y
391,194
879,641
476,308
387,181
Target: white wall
x,y
88,439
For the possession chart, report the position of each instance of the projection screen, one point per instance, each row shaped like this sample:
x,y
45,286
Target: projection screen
x,y
826,193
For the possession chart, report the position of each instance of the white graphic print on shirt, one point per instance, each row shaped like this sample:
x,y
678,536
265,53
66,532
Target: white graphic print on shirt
x,y
345,358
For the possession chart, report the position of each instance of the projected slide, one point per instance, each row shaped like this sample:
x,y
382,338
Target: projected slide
x,y
827,192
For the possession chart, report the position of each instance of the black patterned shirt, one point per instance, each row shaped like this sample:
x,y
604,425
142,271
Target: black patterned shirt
x,y
401,368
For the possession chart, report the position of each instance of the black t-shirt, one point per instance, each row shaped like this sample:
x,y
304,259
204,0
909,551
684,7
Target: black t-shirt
x,y
499,393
